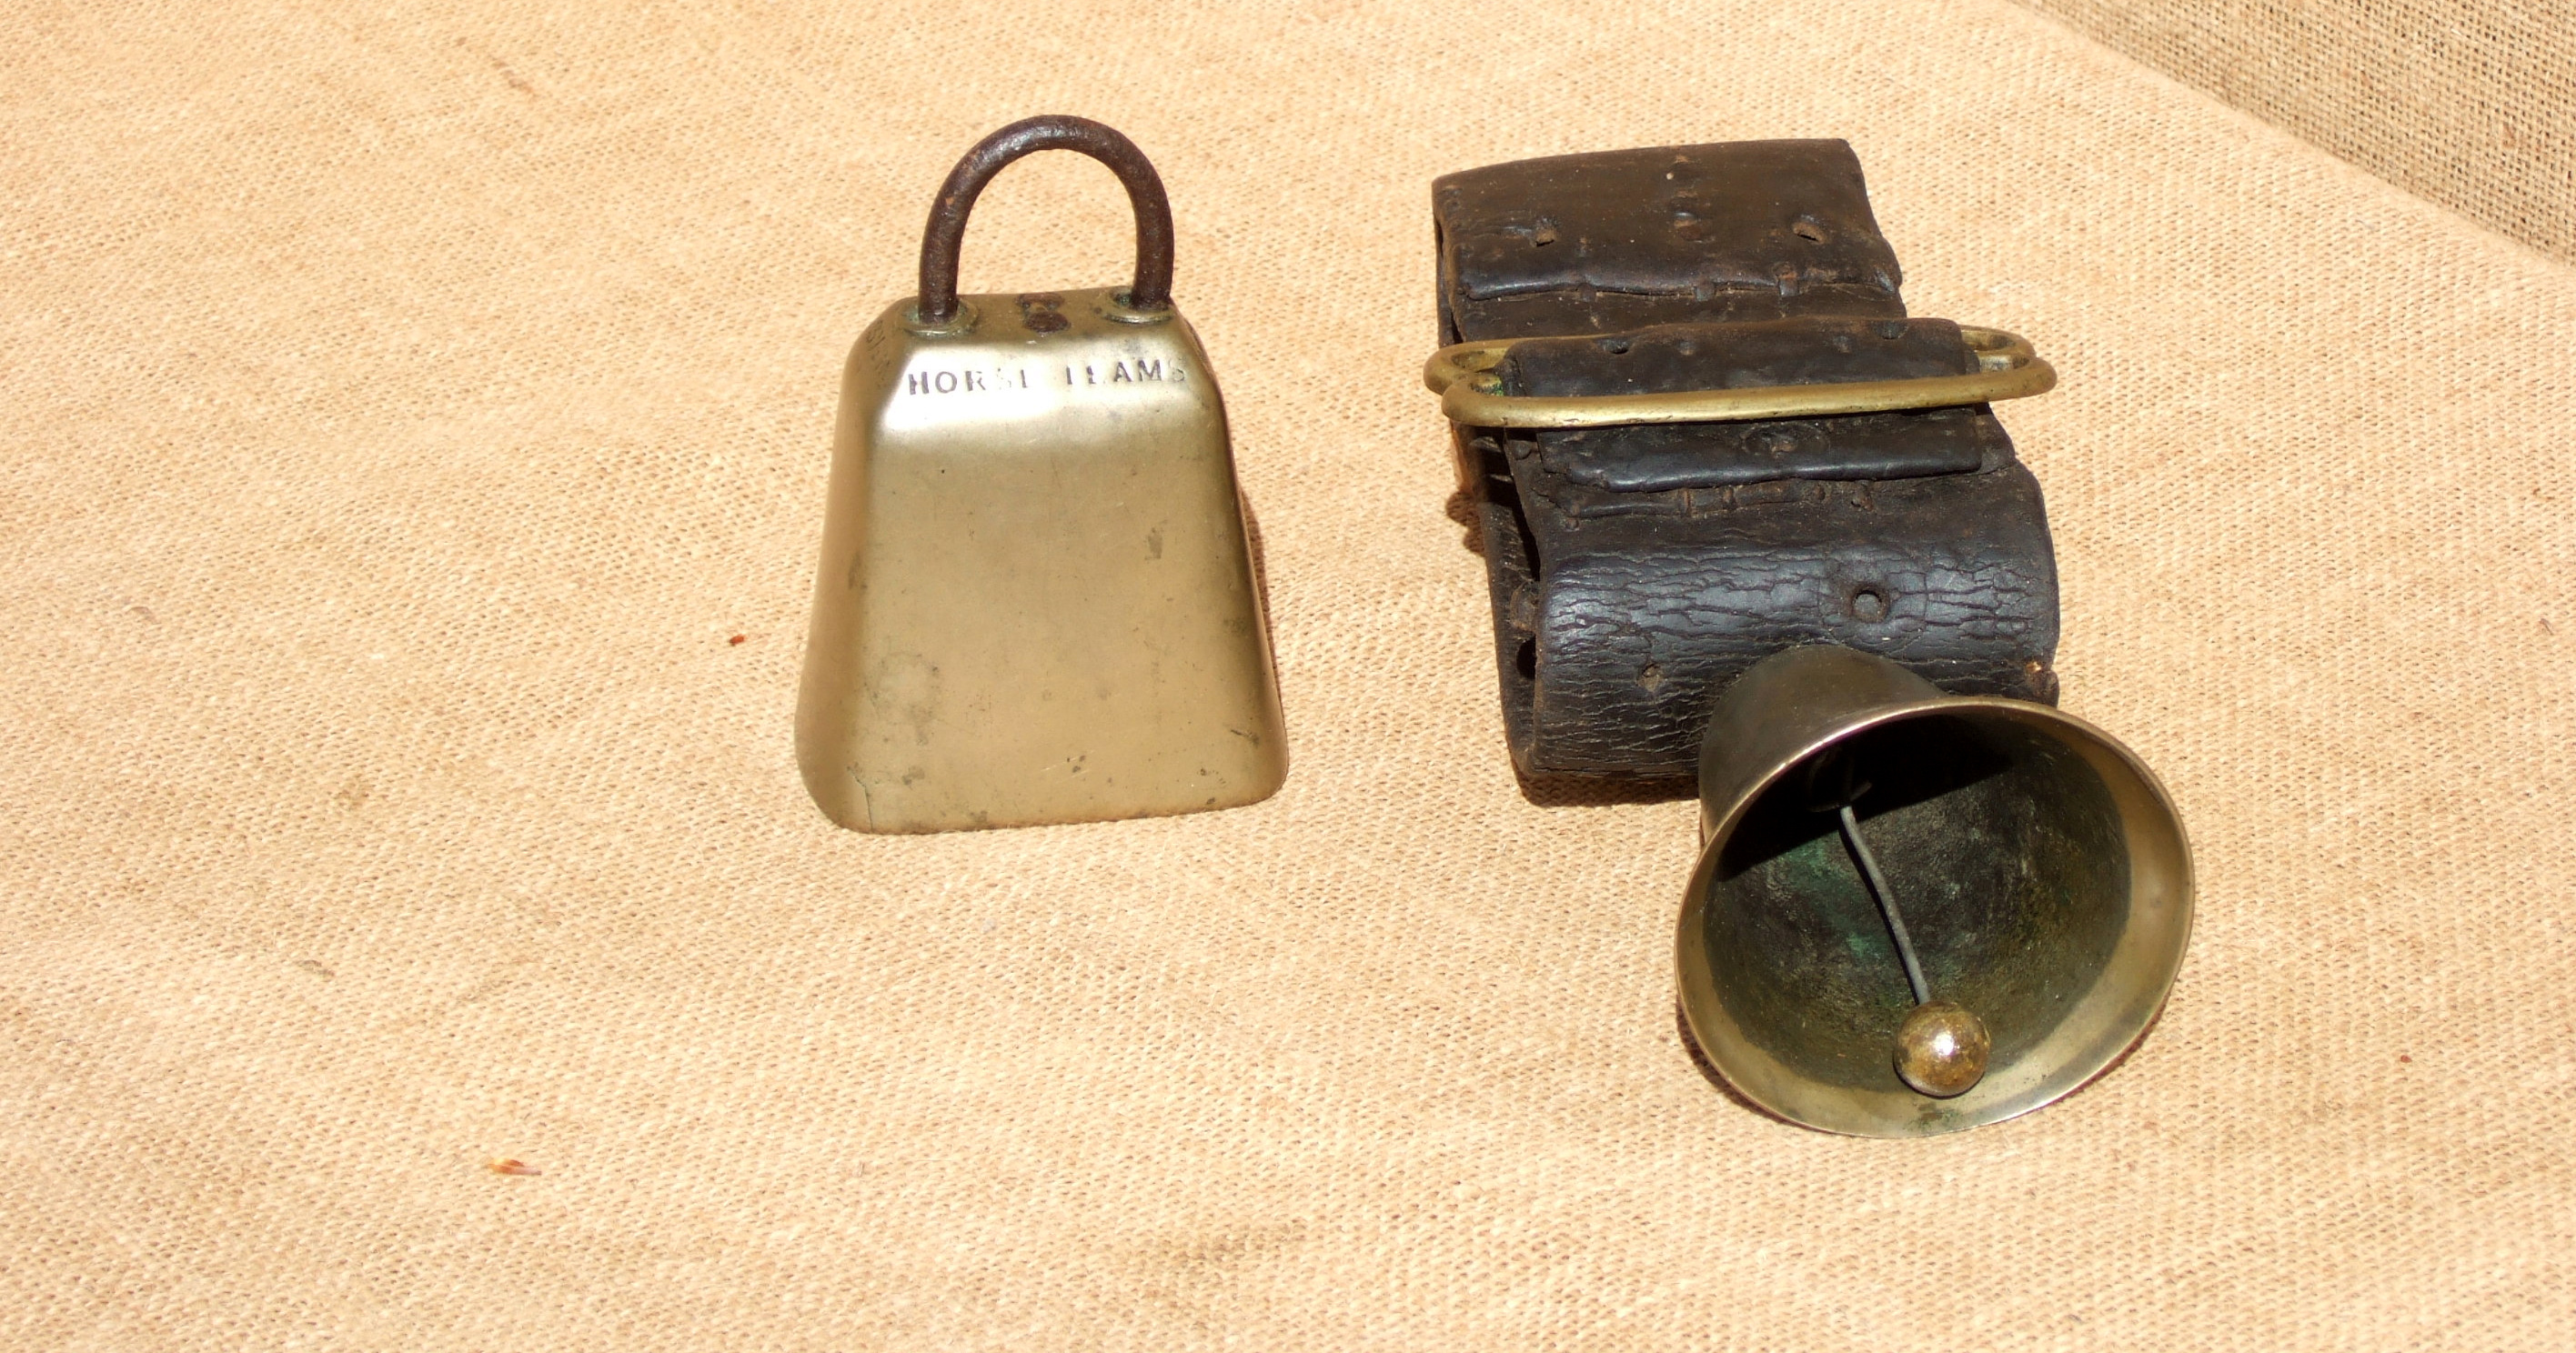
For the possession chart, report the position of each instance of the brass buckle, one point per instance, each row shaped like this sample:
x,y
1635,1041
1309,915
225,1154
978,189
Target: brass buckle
x,y
1471,394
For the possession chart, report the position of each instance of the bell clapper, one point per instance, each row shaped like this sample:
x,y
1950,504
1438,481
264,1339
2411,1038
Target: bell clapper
x,y
1940,1048
1886,900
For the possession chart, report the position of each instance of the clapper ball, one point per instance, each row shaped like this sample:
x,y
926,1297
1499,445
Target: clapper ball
x,y
1941,1049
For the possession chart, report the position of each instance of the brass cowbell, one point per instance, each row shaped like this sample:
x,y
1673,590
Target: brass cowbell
x,y
1036,601
1917,912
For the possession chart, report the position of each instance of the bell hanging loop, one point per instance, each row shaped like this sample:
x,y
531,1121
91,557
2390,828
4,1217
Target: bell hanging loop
x,y
943,237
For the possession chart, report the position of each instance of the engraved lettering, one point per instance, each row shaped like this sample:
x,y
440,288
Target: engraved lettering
x,y
993,381
1150,371
1090,377
1177,377
1119,373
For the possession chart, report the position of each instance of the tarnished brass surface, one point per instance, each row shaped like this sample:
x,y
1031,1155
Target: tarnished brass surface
x,y
2046,885
1036,600
1471,395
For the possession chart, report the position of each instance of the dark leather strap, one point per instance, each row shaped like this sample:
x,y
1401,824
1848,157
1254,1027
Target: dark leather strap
x,y
1685,234
1635,569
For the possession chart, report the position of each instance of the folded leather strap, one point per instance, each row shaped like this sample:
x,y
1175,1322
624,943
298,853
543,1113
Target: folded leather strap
x,y
1637,569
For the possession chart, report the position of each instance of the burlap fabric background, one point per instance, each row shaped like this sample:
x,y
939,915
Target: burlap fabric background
x,y
403,408
2469,102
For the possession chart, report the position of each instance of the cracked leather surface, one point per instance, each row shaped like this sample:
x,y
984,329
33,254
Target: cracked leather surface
x,y
1636,570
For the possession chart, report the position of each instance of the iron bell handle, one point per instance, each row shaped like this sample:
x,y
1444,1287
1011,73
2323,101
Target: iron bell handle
x,y
1152,289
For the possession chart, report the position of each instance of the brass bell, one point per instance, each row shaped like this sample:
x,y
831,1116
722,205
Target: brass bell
x,y
1917,912
1036,601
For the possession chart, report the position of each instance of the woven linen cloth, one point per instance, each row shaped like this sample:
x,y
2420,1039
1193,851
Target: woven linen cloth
x,y
406,408
2469,102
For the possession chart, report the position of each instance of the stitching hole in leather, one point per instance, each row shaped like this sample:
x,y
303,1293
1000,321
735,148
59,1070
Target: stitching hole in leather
x,y
1869,606
1616,347
1805,228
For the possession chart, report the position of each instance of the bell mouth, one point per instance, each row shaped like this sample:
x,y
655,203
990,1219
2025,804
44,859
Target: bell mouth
x,y
2041,872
